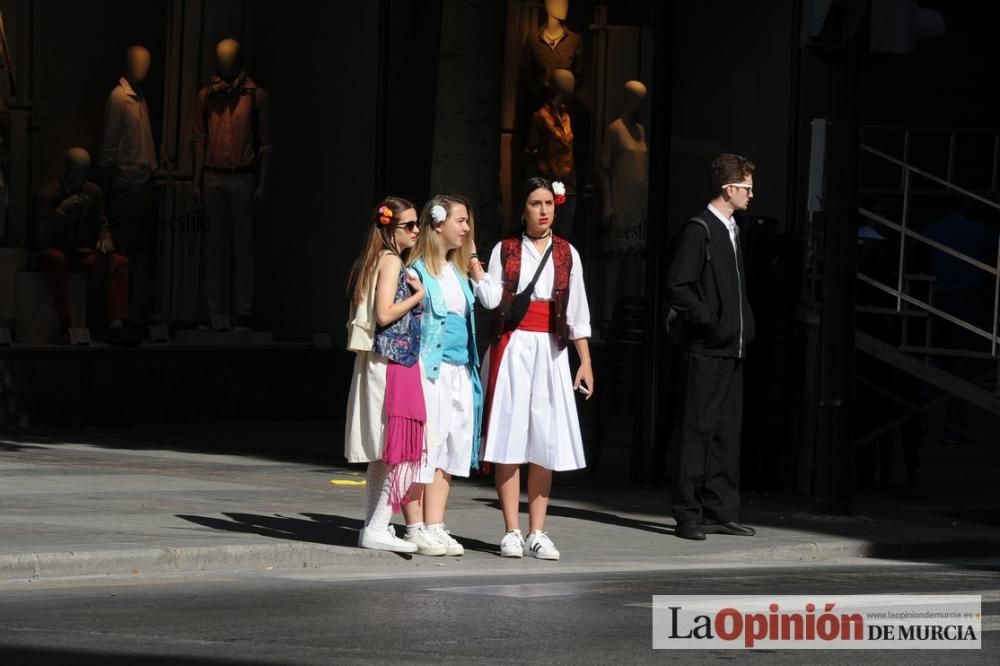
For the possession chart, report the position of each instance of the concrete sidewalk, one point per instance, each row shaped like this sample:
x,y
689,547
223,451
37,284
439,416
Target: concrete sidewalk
x,y
145,502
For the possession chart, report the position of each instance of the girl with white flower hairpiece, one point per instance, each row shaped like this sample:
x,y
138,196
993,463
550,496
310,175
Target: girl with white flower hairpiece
x,y
535,288
449,361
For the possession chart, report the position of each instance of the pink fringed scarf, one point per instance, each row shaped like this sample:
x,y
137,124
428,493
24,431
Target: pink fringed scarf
x,y
405,415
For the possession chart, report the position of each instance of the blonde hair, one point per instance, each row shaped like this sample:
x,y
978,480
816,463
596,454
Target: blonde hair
x,y
427,247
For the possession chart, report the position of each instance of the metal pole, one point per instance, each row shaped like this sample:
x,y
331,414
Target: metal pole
x,y
996,308
951,156
835,414
906,156
902,240
655,428
996,162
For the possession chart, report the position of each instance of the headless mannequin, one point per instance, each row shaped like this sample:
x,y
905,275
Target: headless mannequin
x,y
624,178
550,144
128,161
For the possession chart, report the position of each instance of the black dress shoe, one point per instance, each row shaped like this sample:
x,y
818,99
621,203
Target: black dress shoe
x,y
732,527
690,530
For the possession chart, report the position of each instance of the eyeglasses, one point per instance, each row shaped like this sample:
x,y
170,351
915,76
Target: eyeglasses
x,y
748,188
409,226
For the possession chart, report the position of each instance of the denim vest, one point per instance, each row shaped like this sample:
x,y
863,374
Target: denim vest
x,y
400,340
432,340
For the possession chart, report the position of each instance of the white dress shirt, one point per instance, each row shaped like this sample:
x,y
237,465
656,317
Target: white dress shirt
x,y
127,144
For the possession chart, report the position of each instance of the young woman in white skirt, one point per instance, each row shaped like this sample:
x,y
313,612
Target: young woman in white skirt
x,y
449,361
385,404
531,412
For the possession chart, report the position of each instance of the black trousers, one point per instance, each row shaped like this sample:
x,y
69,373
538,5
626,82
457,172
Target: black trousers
x,y
706,439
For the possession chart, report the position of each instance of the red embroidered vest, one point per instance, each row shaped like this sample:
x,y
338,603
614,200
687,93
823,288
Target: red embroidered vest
x,y
510,259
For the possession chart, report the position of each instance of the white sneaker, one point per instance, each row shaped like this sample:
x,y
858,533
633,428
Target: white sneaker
x,y
540,545
442,534
425,542
512,544
386,539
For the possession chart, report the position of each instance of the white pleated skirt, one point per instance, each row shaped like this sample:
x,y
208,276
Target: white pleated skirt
x,y
450,422
533,418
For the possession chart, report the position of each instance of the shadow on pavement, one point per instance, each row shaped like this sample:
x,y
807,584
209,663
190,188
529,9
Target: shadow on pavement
x,y
467,542
593,516
314,528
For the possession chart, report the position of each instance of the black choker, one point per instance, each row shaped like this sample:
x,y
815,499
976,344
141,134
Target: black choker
x,y
549,233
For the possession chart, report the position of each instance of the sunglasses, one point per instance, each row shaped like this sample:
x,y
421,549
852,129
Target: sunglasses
x,y
409,226
748,188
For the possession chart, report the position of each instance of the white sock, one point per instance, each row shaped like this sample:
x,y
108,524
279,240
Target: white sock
x,y
434,526
410,529
379,512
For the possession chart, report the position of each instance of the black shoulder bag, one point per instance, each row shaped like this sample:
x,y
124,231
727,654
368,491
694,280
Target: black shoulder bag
x,y
519,304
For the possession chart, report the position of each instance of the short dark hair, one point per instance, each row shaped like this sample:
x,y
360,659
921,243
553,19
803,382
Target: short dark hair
x,y
728,168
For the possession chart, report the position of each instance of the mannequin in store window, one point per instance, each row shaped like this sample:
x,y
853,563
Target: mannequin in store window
x,y
232,155
554,46
549,144
128,161
624,179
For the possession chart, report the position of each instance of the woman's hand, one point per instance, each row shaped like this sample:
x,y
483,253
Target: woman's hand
x,y
585,378
414,283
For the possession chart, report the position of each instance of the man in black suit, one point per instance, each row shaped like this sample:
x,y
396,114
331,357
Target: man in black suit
x,y
713,325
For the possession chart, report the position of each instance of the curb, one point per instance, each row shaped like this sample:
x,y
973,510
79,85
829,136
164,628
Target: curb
x,y
861,549
296,556
189,559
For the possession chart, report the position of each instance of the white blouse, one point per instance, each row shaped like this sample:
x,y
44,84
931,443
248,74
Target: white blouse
x,y
490,289
452,289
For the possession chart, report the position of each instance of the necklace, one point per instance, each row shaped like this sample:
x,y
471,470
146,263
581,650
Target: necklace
x,y
552,41
542,237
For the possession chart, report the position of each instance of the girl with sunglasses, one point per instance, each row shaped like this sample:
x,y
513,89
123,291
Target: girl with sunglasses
x,y
385,409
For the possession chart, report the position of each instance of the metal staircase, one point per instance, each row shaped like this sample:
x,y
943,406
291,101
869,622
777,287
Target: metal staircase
x,y
899,196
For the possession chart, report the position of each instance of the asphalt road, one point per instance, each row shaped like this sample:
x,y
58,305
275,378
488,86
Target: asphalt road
x,y
336,617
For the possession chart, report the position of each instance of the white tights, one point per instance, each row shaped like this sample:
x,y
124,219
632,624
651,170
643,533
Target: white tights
x,y
379,512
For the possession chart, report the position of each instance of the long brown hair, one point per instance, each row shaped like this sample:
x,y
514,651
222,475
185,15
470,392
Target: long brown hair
x,y
427,242
381,238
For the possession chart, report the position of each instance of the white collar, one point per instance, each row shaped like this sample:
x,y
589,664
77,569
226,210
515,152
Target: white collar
x,y
730,223
127,87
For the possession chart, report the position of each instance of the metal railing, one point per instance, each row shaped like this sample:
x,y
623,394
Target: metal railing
x,y
952,135
905,232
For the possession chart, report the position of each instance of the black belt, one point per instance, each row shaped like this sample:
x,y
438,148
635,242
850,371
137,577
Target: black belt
x,y
248,168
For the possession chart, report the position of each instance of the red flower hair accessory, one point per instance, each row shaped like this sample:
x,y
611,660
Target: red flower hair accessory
x,y
559,192
384,215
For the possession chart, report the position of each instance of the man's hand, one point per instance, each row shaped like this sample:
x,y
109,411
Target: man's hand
x,y
104,245
71,202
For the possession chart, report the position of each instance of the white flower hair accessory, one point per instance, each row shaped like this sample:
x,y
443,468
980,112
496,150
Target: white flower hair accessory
x,y
559,190
438,213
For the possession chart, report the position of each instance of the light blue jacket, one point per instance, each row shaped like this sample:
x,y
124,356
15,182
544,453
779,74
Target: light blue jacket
x,y
432,326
